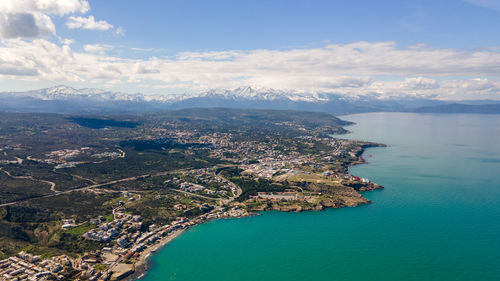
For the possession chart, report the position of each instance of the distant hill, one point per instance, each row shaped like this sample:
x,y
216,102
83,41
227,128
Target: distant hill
x,y
254,117
461,108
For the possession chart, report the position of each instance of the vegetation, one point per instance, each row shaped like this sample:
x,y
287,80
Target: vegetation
x,y
20,188
251,186
79,230
95,123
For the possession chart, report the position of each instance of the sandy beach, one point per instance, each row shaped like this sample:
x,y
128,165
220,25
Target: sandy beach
x,y
141,265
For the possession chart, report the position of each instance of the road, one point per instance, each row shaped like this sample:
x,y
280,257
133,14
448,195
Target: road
x,y
75,189
52,185
234,188
87,187
195,195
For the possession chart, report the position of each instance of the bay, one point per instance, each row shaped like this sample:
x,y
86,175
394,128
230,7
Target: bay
x,y
438,217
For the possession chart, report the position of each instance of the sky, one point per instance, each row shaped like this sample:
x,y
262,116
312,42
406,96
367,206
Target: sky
x,y
441,49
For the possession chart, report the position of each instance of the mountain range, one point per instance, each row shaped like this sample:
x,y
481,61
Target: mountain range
x,y
63,99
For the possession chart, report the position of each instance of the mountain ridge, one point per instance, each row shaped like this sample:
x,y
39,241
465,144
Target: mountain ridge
x,y
64,99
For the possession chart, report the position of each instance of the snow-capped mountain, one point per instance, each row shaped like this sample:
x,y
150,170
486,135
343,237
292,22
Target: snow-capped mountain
x,y
68,93
249,93
266,94
63,99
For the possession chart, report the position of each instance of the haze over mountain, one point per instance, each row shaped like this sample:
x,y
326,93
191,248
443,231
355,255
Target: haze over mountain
x,y
461,108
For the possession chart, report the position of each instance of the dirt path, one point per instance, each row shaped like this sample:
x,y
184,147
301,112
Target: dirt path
x,y
95,185
75,189
52,184
196,195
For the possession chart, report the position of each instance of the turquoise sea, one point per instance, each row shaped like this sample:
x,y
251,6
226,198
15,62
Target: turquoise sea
x,y
438,217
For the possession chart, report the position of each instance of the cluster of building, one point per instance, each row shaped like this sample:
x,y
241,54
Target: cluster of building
x,y
65,158
68,223
351,178
107,154
196,179
140,241
63,155
191,187
137,243
268,157
233,212
109,231
25,266
203,175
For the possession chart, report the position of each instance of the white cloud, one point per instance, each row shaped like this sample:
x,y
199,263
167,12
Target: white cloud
x,y
31,18
350,69
421,83
10,69
97,48
477,88
308,82
87,23
56,7
477,84
66,41
26,25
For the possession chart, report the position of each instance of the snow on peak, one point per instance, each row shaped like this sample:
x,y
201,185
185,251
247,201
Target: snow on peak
x,y
243,93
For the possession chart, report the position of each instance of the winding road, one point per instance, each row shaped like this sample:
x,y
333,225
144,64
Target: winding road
x,y
236,190
74,189
52,184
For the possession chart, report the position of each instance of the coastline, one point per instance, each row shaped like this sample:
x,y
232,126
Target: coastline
x,y
143,263
141,266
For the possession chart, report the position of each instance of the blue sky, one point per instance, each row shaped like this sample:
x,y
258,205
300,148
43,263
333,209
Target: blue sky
x,y
179,26
448,49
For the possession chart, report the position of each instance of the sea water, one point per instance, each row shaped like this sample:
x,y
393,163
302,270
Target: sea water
x,y
438,217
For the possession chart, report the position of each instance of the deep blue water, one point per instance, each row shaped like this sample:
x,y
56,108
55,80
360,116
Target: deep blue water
x,y
438,217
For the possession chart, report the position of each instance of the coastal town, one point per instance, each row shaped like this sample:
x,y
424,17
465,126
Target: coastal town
x,y
109,263
197,174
